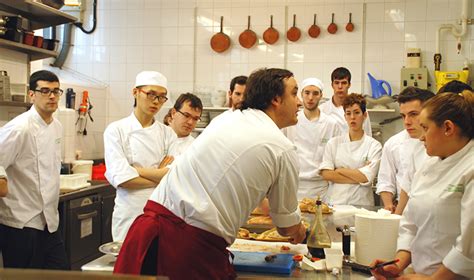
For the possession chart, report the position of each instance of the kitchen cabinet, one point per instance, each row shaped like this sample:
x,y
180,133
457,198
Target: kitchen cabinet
x,y
85,220
39,16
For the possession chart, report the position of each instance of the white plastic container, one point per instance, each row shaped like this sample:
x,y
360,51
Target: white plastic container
x,y
333,258
83,167
376,237
73,181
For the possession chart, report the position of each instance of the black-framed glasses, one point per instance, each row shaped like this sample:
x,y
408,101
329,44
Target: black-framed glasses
x,y
189,116
152,96
47,91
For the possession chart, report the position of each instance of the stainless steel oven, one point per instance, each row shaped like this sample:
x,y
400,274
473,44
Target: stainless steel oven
x,y
83,230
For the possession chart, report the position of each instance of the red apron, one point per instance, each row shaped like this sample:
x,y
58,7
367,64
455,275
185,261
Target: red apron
x,y
184,251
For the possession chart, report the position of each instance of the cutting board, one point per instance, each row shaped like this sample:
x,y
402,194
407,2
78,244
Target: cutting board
x,y
255,262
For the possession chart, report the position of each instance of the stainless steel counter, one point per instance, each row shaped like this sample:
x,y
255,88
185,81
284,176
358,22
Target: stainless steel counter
x,y
106,262
96,186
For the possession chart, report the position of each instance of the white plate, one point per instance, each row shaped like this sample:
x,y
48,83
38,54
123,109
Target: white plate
x,y
111,248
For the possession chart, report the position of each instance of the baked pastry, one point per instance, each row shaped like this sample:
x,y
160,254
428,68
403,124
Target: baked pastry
x,y
308,205
272,235
260,220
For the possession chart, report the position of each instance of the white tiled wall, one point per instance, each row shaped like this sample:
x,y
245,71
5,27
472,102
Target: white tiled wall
x,y
173,37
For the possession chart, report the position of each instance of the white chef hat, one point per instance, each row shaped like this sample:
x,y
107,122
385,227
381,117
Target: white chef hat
x,y
312,82
151,78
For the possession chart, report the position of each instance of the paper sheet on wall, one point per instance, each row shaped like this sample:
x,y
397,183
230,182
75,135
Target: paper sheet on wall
x,y
86,227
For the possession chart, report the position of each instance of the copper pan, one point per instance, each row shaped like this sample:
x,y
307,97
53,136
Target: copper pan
x,y
314,30
220,42
332,28
350,25
248,38
293,34
271,35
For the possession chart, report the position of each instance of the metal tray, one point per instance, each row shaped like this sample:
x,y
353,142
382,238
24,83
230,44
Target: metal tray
x,y
111,248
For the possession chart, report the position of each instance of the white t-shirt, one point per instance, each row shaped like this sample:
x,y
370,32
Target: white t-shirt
x,y
30,152
128,144
390,172
225,174
310,138
364,155
337,113
437,224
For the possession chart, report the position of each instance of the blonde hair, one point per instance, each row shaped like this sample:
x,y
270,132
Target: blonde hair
x,y
456,107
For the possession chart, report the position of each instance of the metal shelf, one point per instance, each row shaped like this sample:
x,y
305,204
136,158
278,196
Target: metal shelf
x,y
39,15
15,104
34,52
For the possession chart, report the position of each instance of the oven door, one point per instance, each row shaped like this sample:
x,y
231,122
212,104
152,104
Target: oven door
x,y
84,235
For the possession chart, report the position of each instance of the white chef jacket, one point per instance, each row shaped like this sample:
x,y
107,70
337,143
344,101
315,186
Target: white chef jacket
x,y
364,155
437,224
181,144
127,144
413,157
390,172
310,138
219,120
337,113
224,175
3,173
31,155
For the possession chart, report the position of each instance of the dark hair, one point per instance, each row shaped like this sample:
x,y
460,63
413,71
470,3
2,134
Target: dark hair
x,y
194,101
454,86
263,85
167,117
456,107
42,75
413,93
240,80
341,73
355,98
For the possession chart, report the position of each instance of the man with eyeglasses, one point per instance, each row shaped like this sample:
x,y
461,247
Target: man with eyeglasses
x,y
310,136
30,146
137,150
184,116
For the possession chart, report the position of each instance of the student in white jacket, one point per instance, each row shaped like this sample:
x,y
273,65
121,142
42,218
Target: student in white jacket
x,y
340,83
30,152
137,150
310,135
184,116
402,149
236,96
436,231
351,161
